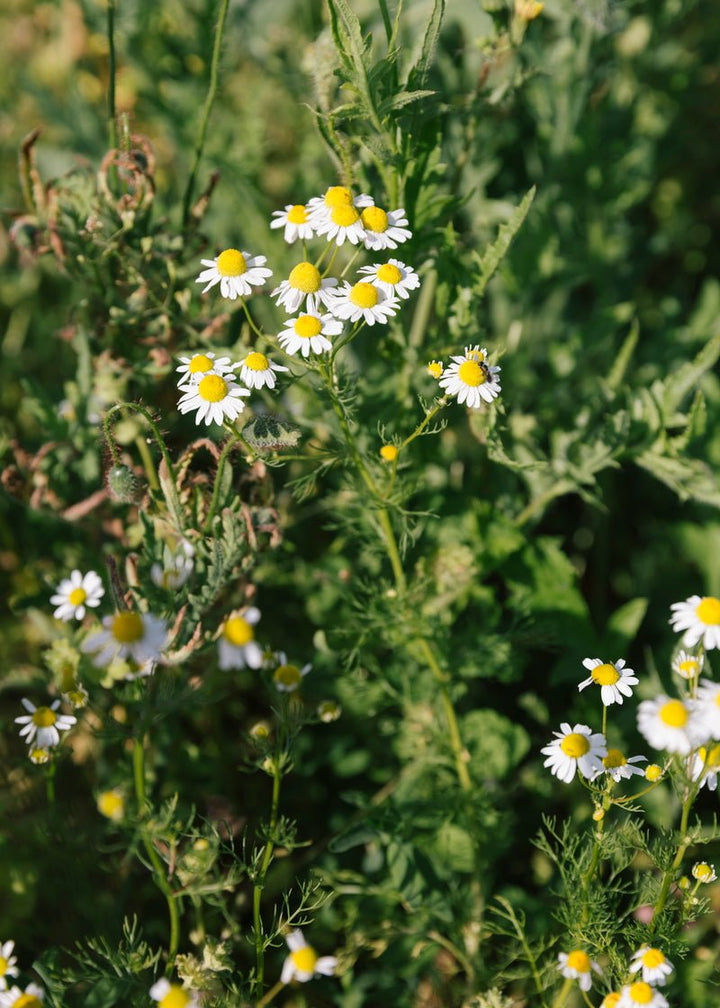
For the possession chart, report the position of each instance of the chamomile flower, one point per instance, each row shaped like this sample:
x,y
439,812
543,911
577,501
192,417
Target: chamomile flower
x,y
287,678
170,995
309,333
574,749
128,634
294,219
320,207
613,678
620,767
704,872
7,963
39,756
77,696
384,230
76,594
193,369
256,370
668,724
214,398
707,707
394,277
341,223
655,967
305,283
32,997
687,665
699,619
236,272
111,804
41,726
641,995
435,369
303,963
237,646
610,1000
471,379
364,301
705,766
578,966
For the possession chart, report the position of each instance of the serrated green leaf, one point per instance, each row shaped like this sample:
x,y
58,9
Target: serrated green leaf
x,y
622,360
495,253
399,101
691,479
680,382
417,75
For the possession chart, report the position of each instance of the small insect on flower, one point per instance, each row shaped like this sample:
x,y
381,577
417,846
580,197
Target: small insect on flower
x,y
170,995
470,379
41,727
303,962
32,997
288,678
236,272
394,277
655,967
699,621
237,646
193,369
578,966
214,398
384,230
619,767
575,749
668,724
704,872
363,301
305,283
613,679
257,371
76,594
641,995
294,219
309,333
7,963
127,634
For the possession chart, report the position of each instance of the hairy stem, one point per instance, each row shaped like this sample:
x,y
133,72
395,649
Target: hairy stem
x,y
259,883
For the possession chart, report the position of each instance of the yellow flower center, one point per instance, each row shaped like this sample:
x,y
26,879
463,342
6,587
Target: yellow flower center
x,y
305,277
605,674
305,959
435,368
27,1001
389,273
199,364
212,388
702,871
711,758
238,631
307,326
77,596
688,669
641,993
231,263
43,717
3,966
673,714
579,961
613,759
374,219
297,214
111,804
127,627
176,997
575,745
39,756
364,295
708,611
389,452
652,958
653,773
256,361
288,675
470,373
611,1000
338,196
344,215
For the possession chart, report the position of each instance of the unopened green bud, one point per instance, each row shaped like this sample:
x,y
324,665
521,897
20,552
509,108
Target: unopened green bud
x,y
123,484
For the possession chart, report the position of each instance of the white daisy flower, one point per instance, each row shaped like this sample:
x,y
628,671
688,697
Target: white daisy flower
x,y
41,727
641,995
32,997
620,767
668,724
288,678
320,207
363,301
707,707
176,568
215,398
704,872
655,967
192,369
578,966
699,618
394,277
705,764
170,995
76,594
128,634
470,378
237,646
384,230
236,272
294,218
305,283
256,370
7,963
340,223
687,665
303,962
575,749
309,333
610,1000
613,679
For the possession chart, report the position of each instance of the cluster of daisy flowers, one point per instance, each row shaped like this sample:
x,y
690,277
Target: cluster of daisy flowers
x,y
14,997
649,969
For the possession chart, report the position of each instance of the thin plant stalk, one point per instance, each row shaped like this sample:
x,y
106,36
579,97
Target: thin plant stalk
x,y
260,880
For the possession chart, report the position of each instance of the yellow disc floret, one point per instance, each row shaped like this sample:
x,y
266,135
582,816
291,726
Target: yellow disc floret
x,y
389,273
127,627
238,631
231,263
641,993
470,373
613,759
575,745
653,773
304,959
344,215
605,674
28,1001
176,997
199,364
77,596
297,214
306,278
374,219
111,804
256,361
674,714
307,326
579,961
435,369
288,676
364,295
212,388
389,452
338,196
43,717
708,611
652,958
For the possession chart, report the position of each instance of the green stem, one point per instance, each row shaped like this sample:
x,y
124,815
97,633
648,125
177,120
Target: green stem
x,y
430,415
563,993
227,448
248,316
270,994
158,872
147,461
209,99
112,135
260,880
50,782
680,854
